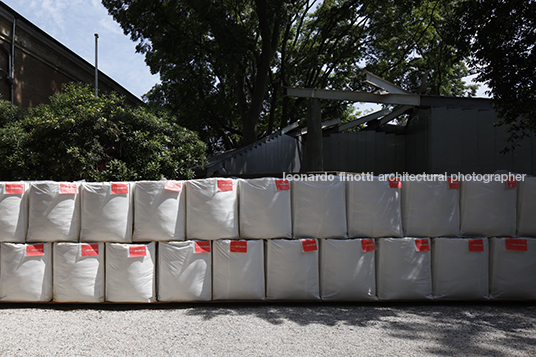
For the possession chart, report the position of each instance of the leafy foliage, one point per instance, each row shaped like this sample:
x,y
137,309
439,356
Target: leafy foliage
x,y
81,136
224,64
499,37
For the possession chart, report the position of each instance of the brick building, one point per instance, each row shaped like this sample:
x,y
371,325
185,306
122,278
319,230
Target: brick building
x,y
33,65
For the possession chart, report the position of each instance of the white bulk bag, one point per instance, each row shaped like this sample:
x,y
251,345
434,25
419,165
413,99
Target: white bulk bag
x,y
347,270
106,212
78,272
526,207
292,269
238,267
130,272
373,208
319,208
184,271
513,269
54,212
430,209
159,211
487,209
403,269
265,208
13,211
460,268
25,272
212,209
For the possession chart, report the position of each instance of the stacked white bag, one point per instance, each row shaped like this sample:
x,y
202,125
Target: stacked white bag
x,y
106,212
513,269
79,272
460,268
212,209
430,209
319,208
184,271
526,208
292,269
54,212
13,212
130,272
238,267
159,211
404,269
373,208
488,209
25,272
347,269
265,210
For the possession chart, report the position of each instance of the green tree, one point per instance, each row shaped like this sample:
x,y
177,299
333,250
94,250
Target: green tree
x,y
81,136
498,36
224,64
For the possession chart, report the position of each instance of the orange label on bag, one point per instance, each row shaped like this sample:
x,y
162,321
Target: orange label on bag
x,y
516,244
202,247
225,185
476,245
239,246
394,182
511,182
68,189
90,250
368,245
282,185
173,186
119,188
33,250
14,188
137,251
454,184
422,245
309,245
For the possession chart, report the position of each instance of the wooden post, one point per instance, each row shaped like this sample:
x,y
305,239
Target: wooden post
x,y
314,160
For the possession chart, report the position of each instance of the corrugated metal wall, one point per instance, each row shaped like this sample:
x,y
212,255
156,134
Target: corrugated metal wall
x,y
365,151
280,154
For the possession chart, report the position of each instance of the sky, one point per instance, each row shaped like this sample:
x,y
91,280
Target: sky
x,y
74,23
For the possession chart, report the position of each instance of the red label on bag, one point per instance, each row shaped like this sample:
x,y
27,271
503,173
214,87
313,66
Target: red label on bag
x,y
90,250
239,246
225,185
137,251
394,182
119,188
68,189
33,250
454,184
422,245
511,182
368,245
516,244
476,245
282,185
202,247
309,245
174,186
14,188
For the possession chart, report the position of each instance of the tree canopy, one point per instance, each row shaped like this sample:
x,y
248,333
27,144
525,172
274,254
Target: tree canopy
x,y
224,64
82,136
498,37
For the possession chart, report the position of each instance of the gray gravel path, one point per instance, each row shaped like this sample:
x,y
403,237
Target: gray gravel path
x,y
401,329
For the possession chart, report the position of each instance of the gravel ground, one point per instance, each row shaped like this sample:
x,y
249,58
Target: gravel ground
x,y
259,329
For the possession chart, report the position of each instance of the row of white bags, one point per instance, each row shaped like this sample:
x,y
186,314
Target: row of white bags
x,y
265,208
309,269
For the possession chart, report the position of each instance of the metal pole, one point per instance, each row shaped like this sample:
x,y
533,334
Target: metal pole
x,y
96,65
12,62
